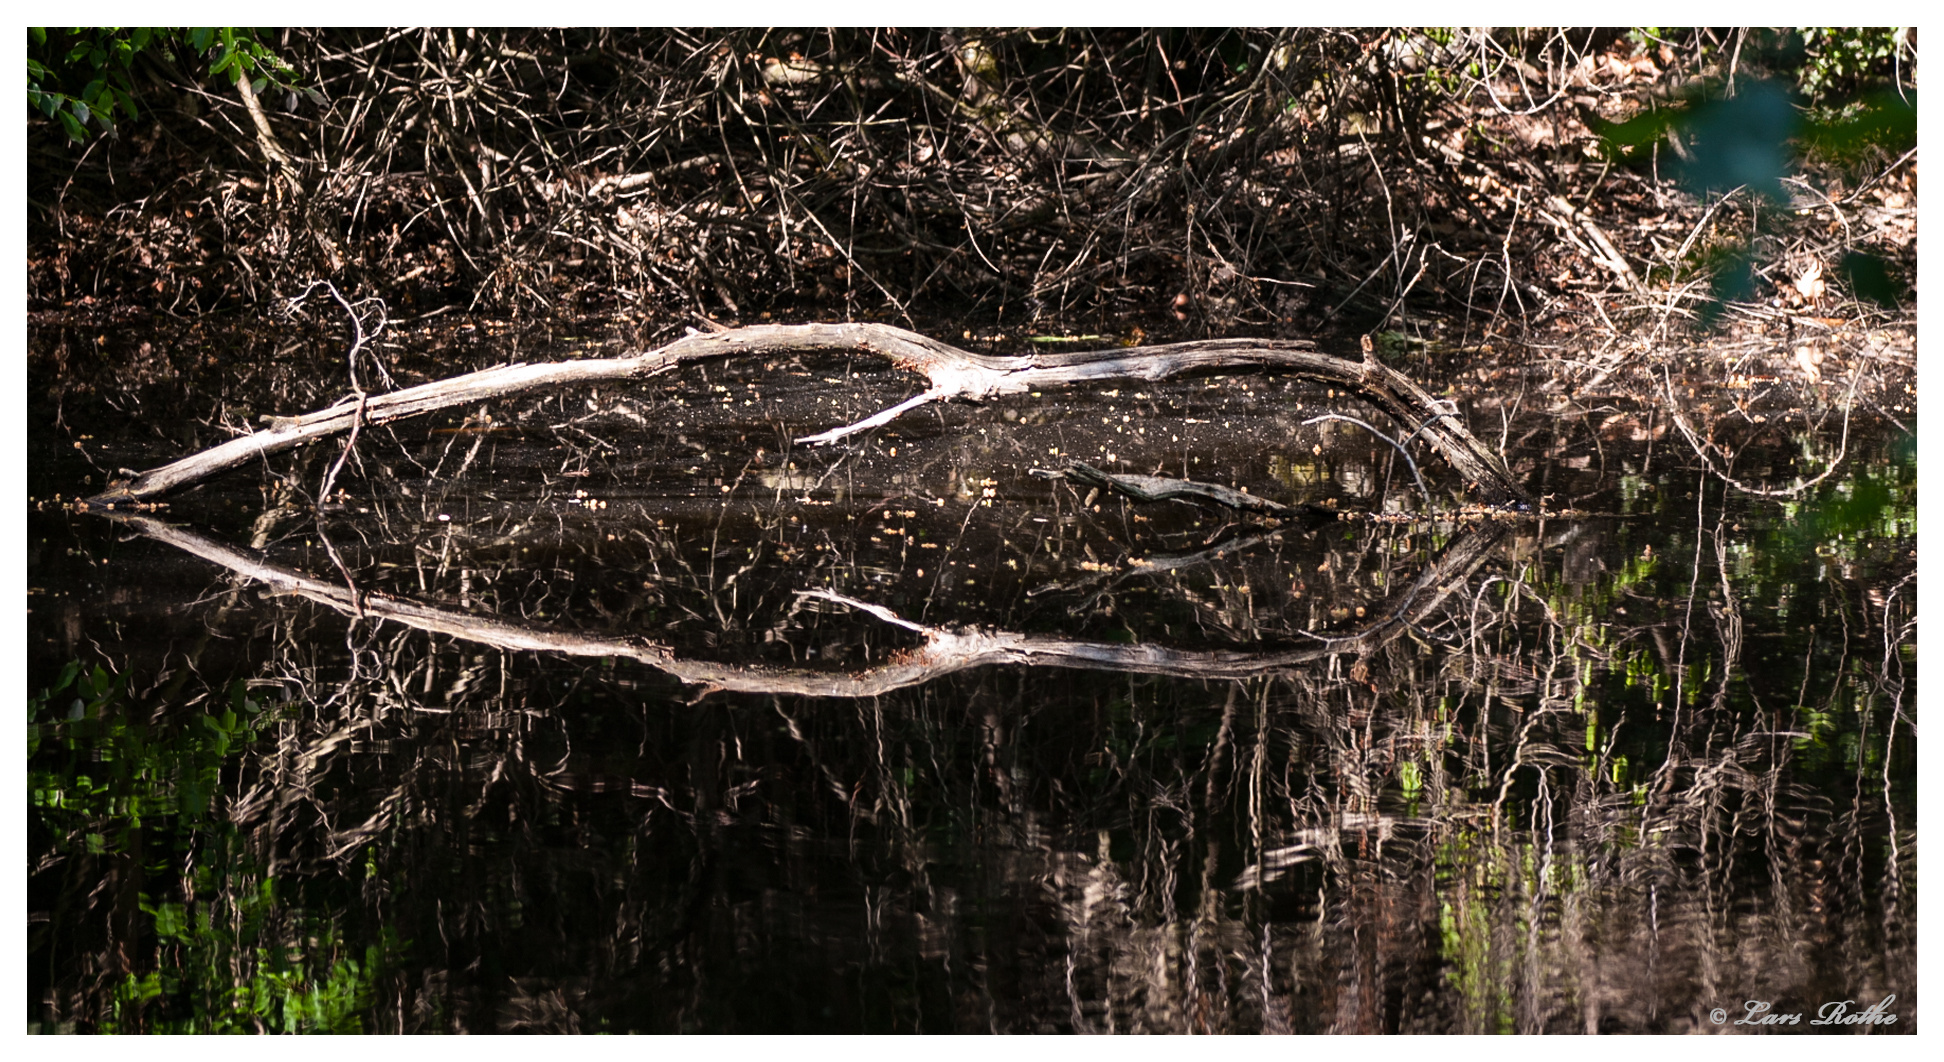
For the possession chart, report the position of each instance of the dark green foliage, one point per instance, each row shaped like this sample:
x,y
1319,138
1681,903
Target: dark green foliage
x,y
1840,61
1717,143
99,61
1740,141
223,944
103,63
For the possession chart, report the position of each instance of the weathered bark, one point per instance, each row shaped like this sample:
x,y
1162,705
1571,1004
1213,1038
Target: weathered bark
x,y
944,652
953,373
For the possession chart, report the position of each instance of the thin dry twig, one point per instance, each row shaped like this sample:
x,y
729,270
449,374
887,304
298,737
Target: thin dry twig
x,y
1701,448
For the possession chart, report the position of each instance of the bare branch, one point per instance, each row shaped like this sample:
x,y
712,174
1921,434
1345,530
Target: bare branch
x,y
946,650
953,373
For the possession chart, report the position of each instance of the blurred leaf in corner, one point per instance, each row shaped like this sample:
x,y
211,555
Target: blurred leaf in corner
x,y
1740,141
1747,141
1714,144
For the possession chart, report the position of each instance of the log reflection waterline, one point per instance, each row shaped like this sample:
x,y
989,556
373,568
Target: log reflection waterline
x,y
944,650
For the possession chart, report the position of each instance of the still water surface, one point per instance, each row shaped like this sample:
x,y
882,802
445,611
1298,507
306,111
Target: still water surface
x,y
1215,772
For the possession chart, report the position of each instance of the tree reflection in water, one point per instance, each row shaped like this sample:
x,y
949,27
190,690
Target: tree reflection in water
x,y
579,752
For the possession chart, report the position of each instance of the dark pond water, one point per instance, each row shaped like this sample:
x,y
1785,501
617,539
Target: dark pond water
x,y
538,729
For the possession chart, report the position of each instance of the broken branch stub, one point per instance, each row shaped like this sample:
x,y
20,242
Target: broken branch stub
x,y
952,373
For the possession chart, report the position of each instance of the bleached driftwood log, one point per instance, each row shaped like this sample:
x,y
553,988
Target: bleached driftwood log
x,y
952,373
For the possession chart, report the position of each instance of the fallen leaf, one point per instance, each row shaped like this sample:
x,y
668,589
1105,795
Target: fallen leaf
x,y
1810,283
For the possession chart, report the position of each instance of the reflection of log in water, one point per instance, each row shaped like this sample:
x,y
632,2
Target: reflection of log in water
x,y
1157,488
953,373
944,650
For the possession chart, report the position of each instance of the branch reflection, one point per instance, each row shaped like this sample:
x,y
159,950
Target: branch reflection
x,y
943,650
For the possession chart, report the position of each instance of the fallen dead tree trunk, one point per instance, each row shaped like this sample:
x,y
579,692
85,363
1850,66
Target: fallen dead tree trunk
x,y
953,373
944,651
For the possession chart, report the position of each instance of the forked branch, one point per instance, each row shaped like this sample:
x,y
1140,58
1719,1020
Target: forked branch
x,y
943,651
953,373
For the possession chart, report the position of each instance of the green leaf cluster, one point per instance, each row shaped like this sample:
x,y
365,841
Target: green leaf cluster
x,y
1844,60
94,775
242,961
232,950
85,76
101,60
